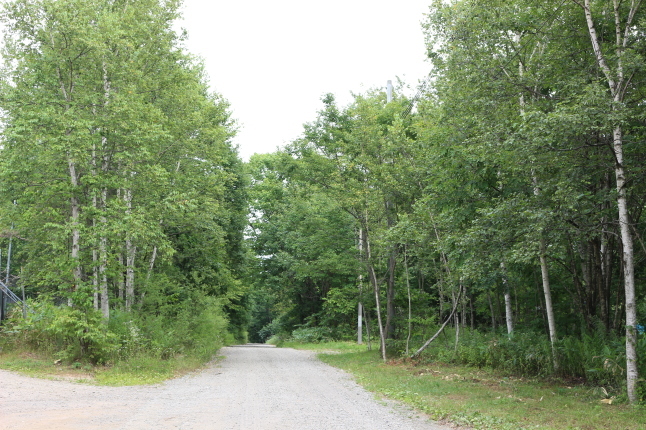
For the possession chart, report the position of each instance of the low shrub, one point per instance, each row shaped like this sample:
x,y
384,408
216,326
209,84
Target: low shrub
x,y
312,335
81,334
70,333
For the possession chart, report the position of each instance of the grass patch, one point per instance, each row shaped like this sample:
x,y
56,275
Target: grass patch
x,y
482,399
146,370
326,347
139,370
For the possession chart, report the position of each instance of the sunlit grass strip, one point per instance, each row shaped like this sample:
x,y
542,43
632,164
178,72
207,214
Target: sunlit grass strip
x,y
140,370
482,399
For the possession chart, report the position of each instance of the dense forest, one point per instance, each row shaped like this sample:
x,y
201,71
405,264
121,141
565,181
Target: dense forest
x,y
503,199
492,219
122,195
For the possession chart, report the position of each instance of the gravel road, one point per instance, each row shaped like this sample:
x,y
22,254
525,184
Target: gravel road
x,y
254,387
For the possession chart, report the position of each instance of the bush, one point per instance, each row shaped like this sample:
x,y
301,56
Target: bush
x,y
71,333
78,334
274,328
197,329
312,335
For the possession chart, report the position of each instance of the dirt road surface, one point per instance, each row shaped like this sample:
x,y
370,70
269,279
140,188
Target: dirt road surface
x,y
254,387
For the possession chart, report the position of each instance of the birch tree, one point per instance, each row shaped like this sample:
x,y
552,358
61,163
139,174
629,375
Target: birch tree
x,y
619,64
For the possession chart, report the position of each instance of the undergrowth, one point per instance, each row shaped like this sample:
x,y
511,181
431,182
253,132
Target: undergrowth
x,y
125,350
481,398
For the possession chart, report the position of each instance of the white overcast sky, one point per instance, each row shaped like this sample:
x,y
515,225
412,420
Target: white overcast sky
x,y
273,60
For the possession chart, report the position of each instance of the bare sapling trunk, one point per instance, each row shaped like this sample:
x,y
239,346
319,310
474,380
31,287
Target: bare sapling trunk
x,y
549,310
103,241
509,319
103,263
542,247
120,281
95,269
366,317
360,304
76,233
494,326
360,323
151,266
441,329
457,321
382,334
547,292
375,286
390,296
131,250
410,302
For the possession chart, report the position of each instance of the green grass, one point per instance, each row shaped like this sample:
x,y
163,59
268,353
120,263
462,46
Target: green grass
x,y
482,399
139,370
333,347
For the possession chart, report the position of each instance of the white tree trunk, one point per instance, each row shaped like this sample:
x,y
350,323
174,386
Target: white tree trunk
x,y
95,279
360,305
375,286
632,373
548,301
76,234
618,86
410,302
103,263
103,241
131,251
508,305
120,280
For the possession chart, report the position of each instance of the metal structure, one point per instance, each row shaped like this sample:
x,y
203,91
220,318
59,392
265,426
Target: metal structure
x,y
7,296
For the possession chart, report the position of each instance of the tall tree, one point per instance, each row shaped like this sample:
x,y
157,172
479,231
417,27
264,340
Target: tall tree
x,y
101,93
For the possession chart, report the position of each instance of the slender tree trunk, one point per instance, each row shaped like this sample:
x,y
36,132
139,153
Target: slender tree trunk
x,y
95,268
75,218
508,304
618,85
103,241
67,89
390,296
464,309
359,323
103,257
606,274
632,372
360,304
410,302
375,286
151,266
131,251
548,301
120,279
471,312
366,316
441,329
457,317
382,334
494,326
440,292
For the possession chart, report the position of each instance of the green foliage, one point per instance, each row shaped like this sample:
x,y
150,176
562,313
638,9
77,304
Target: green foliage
x,y
128,193
483,399
74,334
524,354
71,334
274,329
312,335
